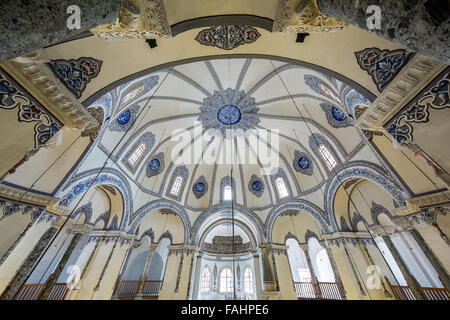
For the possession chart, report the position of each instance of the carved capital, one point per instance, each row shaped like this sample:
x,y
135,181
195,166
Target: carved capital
x,y
36,77
303,16
143,19
415,75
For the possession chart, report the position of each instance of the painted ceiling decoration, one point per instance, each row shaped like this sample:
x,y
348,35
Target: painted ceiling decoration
x,y
229,110
382,65
200,187
125,119
148,139
10,207
435,95
135,90
75,74
222,94
155,165
256,186
227,37
335,116
302,163
12,96
99,115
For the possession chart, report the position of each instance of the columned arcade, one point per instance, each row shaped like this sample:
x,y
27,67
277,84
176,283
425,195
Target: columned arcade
x,y
224,150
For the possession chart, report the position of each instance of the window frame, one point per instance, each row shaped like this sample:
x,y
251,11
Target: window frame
x,y
228,280
325,155
277,185
179,188
205,280
248,280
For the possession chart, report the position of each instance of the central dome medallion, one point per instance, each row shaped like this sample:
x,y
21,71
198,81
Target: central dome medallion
x,y
229,108
229,114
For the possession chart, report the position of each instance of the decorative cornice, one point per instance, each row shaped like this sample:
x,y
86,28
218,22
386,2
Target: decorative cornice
x,y
414,204
36,77
27,197
303,16
137,19
181,249
419,71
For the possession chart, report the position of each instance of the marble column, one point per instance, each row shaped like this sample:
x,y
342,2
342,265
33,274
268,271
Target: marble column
x,y
409,278
352,265
362,245
420,25
94,272
282,272
97,287
314,280
111,271
443,276
123,269
258,284
51,281
337,276
23,272
146,267
98,240
30,25
197,275
176,277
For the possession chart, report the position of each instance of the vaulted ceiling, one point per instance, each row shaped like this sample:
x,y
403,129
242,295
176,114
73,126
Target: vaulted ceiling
x,y
191,113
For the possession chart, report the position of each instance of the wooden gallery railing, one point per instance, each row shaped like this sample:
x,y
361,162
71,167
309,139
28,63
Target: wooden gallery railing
x,y
328,290
129,289
304,290
33,291
30,291
405,293
151,289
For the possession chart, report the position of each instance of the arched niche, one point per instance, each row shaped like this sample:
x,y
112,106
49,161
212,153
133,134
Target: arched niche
x,y
223,227
163,224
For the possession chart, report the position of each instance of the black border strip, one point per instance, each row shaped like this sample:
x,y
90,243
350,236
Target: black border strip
x,y
229,19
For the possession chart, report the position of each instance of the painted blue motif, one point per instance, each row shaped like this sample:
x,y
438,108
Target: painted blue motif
x,y
338,114
154,164
200,187
124,117
303,162
229,114
257,185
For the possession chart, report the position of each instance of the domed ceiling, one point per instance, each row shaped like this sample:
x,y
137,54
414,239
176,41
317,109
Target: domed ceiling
x,y
229,121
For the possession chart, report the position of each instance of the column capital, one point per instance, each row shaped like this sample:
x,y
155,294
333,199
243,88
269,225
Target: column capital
x,y
181,248
81,228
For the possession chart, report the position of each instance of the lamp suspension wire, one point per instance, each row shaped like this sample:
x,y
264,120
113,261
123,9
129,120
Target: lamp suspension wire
x,y
332,169
96,177
233,192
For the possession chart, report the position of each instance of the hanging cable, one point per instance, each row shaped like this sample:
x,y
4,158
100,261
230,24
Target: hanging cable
x,y
96,177
312,135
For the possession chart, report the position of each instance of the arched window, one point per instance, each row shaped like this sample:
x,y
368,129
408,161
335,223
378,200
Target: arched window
x,y
132,94
226,281
205,282
137,153
327,157
176,186
227,193
281,188
248,281
177,183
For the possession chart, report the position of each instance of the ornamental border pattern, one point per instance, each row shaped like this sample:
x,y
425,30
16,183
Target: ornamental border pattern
x,y
13,95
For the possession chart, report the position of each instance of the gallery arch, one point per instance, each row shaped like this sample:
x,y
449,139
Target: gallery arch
x,y
259,172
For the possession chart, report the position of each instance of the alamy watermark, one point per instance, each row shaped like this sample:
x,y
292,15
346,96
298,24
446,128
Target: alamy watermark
x,y
373,14
73,22
231,146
